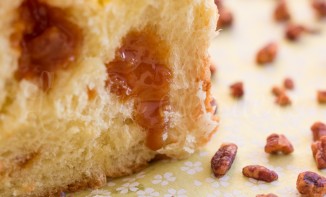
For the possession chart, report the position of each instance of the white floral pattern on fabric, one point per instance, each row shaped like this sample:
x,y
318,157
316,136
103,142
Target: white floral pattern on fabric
x,y
203,153
125,188
258,157
295,169
288,191
234,193
216,193
192,167
140,175
259,185
148,192
165,179
176,193
111,184
197,183
218,182
99,193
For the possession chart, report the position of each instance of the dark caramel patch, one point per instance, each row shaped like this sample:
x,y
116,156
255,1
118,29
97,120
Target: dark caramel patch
x,y
49,42
139,71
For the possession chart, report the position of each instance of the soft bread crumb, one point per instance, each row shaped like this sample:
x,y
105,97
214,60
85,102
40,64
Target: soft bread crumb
x,y
77,142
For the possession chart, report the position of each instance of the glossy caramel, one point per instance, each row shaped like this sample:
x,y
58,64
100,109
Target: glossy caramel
x,y
49,42
139,71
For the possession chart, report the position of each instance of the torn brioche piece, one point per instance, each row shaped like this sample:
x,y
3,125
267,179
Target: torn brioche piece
x,y
98,88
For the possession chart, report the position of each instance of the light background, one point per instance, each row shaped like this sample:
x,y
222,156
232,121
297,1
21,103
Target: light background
x,y
249,121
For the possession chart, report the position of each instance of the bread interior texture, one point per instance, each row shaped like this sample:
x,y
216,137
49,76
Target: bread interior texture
x,y
65,126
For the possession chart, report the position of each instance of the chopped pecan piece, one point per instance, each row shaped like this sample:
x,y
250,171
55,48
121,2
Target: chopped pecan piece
x,y
321,97
266,195
213,69
259,173
237,90
293,31
218,3
319,152
283,100
267,54
311,184
281,12
288,83
318,130
223,159
276,143
226,17
320,7
277,91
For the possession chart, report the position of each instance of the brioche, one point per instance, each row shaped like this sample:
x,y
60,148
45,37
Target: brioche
x,y
92,89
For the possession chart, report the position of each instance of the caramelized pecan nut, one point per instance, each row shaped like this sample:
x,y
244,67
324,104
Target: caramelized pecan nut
x,y
213,69
293,32
223,159
277,91
311,184
283,100
321,97
225,18
281,12
320,7
259,173
288,83
318,130
267,54
237,90
319,152
276,143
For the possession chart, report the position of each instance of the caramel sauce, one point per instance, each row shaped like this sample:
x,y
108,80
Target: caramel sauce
x,y
49,42
139,71
91,93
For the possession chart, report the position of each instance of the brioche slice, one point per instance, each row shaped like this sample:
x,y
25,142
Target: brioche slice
x,y
98,88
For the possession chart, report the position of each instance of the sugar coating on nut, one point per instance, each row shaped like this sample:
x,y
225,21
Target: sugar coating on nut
x,y
276,143
288,83
277,91
321,97
267,54
281,12
283,100
266,195
311,184
237,90
318,130
319,152
259,173
223,159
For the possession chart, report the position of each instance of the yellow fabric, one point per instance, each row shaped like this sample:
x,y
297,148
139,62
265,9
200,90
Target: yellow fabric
x,y
249,121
